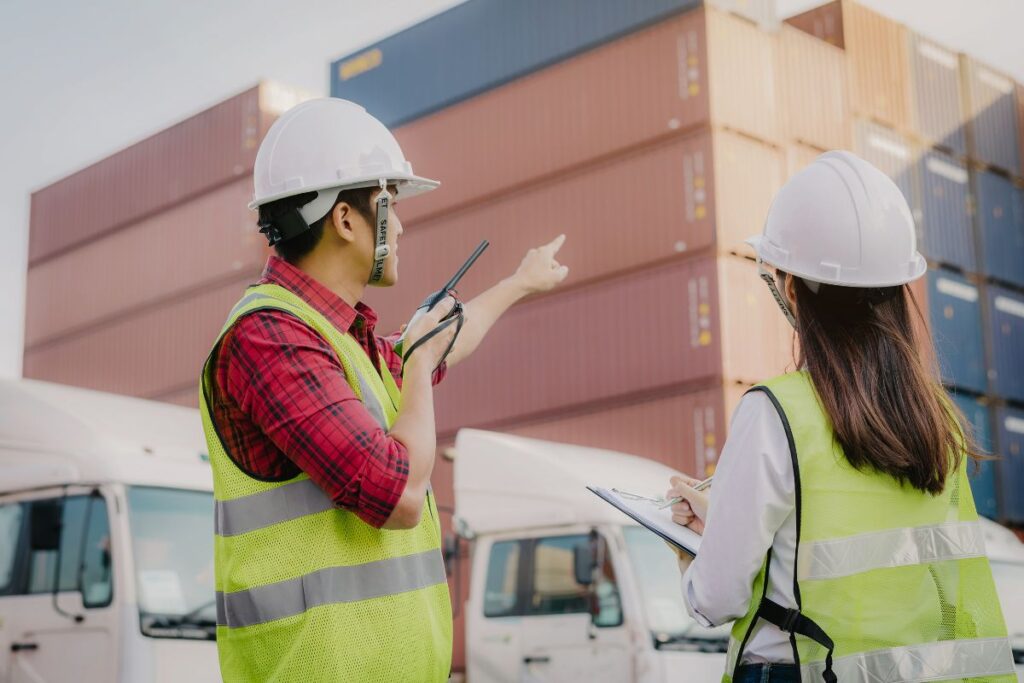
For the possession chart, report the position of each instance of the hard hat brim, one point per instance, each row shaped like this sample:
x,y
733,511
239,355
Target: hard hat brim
x,y
408,186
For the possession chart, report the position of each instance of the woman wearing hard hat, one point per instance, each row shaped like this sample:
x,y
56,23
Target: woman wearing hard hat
x,y
840,534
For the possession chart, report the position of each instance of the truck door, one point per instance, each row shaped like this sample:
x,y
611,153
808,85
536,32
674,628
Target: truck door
x,y
62,541
561,639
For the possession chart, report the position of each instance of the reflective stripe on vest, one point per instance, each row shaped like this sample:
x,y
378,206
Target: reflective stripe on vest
x,y
949,660
328,586
890,548
287,502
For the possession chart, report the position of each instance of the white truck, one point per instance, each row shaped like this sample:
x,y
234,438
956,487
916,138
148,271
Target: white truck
x,y
106,554
106,539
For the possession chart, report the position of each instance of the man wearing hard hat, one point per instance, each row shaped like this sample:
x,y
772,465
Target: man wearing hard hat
x,y
321,435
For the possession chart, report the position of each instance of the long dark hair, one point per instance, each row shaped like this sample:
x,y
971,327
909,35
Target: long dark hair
x,y
888,412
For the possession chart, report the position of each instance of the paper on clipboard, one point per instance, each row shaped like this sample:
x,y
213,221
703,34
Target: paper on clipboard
x,y
647,514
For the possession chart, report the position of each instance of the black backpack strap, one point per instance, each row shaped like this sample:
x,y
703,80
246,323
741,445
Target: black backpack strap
x,y
792,621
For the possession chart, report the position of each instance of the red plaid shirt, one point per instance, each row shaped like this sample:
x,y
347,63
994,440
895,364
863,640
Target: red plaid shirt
x,y
282,405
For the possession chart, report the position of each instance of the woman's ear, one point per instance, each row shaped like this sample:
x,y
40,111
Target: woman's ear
x,y
791,289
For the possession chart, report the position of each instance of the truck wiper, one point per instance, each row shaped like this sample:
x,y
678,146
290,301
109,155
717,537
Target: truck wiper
x,y
688,643
189,626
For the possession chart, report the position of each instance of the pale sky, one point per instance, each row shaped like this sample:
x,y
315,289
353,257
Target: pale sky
x,y
83,79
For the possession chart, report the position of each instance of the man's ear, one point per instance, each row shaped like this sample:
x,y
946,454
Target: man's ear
x,y
340,217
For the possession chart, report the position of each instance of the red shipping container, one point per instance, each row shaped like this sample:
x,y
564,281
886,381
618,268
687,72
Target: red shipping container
x,y
702,66
648,332
205,241
156,353
876,54
210,148
628,212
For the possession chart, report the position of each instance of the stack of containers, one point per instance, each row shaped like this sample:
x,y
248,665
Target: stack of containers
x,y
943,126
655,144
135,261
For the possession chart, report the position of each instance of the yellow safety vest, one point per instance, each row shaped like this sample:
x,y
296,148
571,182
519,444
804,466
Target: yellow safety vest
x,y
307,592
895,578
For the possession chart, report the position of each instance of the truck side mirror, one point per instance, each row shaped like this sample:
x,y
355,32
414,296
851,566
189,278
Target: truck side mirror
x,y
450,550
584,557
45,524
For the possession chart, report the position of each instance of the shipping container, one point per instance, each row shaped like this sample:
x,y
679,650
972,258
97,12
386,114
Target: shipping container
x,y
876,51
183,249
699,67
1000,212
1006,328
954,309
651,205
982,474
895,155
1019,89
991,116
480,45
188,397
1010,448
946,225
157,352
173,166
619,340
799,157
814,90
937,95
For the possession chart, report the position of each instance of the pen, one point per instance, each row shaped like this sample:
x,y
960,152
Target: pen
x,y
678,499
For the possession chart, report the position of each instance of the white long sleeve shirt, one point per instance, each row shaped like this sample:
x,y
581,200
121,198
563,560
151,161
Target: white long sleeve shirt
x,y
752,508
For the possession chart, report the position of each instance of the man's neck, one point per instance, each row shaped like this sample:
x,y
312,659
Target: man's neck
x,y
336,277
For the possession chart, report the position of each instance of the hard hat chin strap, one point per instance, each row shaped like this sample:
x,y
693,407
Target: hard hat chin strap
x,y
779,298
381,248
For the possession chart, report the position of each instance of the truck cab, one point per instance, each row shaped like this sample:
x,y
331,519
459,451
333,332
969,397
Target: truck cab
x,y
563,586
106,539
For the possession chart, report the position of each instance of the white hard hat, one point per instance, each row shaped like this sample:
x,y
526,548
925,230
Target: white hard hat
x,y
841,221
329,144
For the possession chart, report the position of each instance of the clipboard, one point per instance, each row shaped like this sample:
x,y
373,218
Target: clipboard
x,y
659,521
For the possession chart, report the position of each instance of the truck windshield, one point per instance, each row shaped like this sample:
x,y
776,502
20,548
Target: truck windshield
x,y
657,573
172,539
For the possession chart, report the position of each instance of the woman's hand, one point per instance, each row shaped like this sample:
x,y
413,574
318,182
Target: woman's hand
x,y
693,509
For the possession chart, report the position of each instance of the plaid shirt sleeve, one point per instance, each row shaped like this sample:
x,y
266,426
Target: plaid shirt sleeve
x,y
288,381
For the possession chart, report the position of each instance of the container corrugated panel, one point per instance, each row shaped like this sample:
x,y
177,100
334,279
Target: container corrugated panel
x,y
814,90
1000,211
1010,446
503,139
954,308
876,50
1006,316
824,22
172,166
992,116
202,241
157,352
946,225
1019,90
479,45
712,188
799,157
645,332
982,474
756,339
683,430
895,155
936,94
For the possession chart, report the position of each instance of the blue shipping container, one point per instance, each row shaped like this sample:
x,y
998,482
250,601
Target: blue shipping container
x,y
983,474
1000,207
945,219
954,308
1006,312
480,44
1010,447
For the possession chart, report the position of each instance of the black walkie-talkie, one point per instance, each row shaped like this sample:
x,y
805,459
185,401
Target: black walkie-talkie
x,y
438,296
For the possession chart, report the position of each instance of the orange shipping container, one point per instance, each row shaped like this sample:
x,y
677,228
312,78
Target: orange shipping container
x,y
156,353
620,214
702,66
649,332
210,148
814,90
183,249
876,52
799,157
